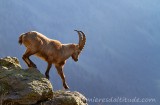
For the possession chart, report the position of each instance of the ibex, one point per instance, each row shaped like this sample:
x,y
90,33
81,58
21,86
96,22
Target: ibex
x,y
52,51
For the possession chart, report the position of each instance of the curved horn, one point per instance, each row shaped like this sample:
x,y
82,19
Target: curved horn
x,y
82,39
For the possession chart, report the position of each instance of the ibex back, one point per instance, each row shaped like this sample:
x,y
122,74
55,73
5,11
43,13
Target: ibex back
x,y
52,51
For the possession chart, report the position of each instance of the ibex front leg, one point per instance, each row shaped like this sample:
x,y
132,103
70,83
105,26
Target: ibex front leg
x,y
26,56
60,72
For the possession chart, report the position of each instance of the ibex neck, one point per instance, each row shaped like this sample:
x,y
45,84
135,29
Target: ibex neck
x,y
67,50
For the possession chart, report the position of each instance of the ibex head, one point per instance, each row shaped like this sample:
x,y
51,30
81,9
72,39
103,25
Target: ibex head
x,y
79,46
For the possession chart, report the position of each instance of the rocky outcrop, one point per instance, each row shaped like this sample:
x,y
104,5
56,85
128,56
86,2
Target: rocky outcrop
x,y
29,87
22,86
66,98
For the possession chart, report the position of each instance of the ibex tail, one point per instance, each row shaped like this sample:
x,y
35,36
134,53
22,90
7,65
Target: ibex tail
x,y
20,39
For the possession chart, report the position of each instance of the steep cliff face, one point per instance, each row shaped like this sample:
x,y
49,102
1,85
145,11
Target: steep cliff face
x,y
29,86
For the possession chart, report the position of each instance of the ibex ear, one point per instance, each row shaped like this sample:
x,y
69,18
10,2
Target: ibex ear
x,y
77,47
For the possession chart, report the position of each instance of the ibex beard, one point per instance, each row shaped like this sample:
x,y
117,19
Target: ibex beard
x,y
51,51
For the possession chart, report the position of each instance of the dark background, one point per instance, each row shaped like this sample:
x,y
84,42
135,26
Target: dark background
x,y
121,57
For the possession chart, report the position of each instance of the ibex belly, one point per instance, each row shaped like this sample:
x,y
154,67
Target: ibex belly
x,y
46,57
42,56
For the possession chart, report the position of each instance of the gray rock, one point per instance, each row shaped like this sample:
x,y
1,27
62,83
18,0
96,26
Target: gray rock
x,y
10,63
66,98
22,86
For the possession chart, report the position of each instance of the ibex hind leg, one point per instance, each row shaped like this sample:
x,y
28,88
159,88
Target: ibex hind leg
x,y
26,56
48,69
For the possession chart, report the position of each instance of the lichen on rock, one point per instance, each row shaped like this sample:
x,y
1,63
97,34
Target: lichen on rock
x,y
10,62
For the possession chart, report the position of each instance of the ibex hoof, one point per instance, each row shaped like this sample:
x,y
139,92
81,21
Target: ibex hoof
x,y
34,66
66,86
47,76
